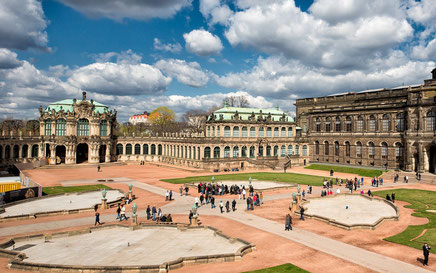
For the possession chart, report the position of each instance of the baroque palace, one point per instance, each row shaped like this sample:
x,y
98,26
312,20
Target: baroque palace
x,y
390,128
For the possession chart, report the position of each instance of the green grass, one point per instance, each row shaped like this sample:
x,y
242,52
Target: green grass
x,y
421,201
284,268
60,189
278,177
343,169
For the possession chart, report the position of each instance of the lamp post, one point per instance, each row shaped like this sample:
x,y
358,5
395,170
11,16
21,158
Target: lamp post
x,y
103,199
130,191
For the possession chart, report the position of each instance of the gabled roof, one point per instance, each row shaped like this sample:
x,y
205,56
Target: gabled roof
x,y
67,106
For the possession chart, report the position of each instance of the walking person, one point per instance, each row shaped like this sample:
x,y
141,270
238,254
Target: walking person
x,y
393,197
167,195
426,249
181,191
228,206
243,193
118,212
301,213
123,213
234,205
97,218
191,214
288,224
212,202
148,212
171,195
98,168
153,213
221,206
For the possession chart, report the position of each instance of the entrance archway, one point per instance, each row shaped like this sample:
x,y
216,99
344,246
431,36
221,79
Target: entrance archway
x,y
82,153
432,159
60,154
102,153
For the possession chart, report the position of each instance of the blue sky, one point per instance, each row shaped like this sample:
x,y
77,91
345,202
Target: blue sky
x,y
137,55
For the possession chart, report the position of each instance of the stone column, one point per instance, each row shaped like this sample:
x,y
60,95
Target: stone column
x,y
52,154
409,155
107,158
29,150
20,151
420,157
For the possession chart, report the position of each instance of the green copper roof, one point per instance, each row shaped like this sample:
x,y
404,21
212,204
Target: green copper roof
x,y
67,106
228,113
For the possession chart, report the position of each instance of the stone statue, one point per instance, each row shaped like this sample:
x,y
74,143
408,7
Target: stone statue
x,y
83,95
299,189
294,198
130,188
194,211
103,194
134,209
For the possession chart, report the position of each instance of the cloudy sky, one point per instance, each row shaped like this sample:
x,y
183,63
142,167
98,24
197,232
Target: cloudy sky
x,y
136,55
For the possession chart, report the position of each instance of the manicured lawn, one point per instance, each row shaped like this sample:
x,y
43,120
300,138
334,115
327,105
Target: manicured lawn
x,y
284,268
278,177
421,201
343,169
60,189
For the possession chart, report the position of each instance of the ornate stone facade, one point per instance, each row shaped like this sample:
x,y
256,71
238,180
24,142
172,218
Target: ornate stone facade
x,y
392,128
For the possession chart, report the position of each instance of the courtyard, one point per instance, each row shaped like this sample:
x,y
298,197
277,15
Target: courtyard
x,y
315,246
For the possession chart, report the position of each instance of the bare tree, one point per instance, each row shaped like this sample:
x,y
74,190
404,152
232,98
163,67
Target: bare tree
x,y
236,101
32,126
13,125
194,120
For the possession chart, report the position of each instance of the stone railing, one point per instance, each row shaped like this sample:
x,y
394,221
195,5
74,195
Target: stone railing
x,y
353,226
18,258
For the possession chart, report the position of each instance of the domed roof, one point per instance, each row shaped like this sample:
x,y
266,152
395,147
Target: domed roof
x,y
67,106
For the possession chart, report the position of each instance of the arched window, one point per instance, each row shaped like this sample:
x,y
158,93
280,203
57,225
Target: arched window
x,y
207,152
244,131
384,150
24,151
290,150
137,149
338,124
208,131
227,131
371,150
35,150
276,132
145,149
252,152
276,150
336,148
103,128
226,152
236,151
47,125
236,131
328,124
218,131
372,123
120,149
153,149
386,124
318,124
61,127
260,151
128,149
268,150
244,151
216,152
283,151
290,132
347,148
359,149
252,132
297,150
16,151
304,150
7,152
398,152
326,148
317,147
348,124
268,132
159,149
400,122
83,127
283,132
360,124
213,131
430,121
261,131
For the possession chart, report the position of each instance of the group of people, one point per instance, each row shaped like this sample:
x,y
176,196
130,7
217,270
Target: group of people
x,y
217,189
227,206
391,197
169,195
288,221
155,214
376,181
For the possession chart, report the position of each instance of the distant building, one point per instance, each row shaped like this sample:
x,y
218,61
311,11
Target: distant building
x,y
141,118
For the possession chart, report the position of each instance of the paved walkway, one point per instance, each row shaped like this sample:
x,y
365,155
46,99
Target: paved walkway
x,y
182,204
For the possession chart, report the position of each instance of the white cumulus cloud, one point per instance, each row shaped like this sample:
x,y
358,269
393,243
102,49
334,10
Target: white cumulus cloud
x,y
22,25
120,79
173,48
202,42
8,59
189,73
134,9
